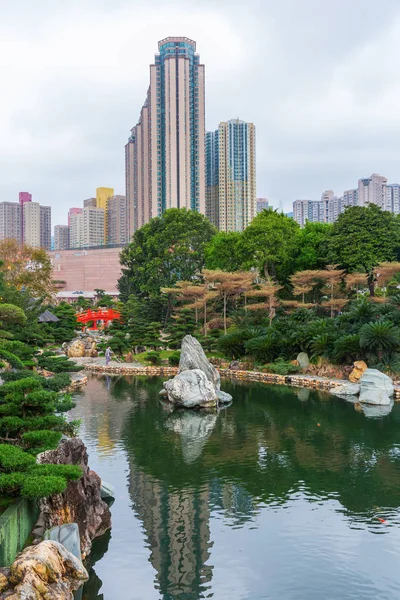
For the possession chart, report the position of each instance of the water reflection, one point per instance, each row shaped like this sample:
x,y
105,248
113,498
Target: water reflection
x,y
194,477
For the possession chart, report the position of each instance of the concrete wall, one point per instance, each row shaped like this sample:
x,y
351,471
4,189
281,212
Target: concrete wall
x,y
16,524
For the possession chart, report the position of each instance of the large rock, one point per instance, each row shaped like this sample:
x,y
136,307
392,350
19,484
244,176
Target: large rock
x,y
76,349
358,369
193,357
191,389
68,536
346,389
46,571
303,360
81,502
376,388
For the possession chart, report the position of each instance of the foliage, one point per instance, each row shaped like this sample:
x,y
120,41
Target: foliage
x,y
58,382
281,367
11,315
174,359
312,246
153,357
40,440
14,361
58,364
27,268
64,329
380,337
165,250
225,251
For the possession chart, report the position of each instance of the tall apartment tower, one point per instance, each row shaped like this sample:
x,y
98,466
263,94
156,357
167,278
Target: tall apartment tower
x,y
372,190
261,204
103,194
32,221
23,197
75,220
93,226
165,156
307,210
392,202
10,221
45,227
231,175
61,237
117,220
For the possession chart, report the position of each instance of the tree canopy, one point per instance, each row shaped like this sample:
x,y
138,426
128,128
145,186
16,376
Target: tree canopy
x,y
167,249
26,268
226,251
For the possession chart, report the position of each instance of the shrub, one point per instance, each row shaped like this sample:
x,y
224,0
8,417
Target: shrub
x,y
69,472
153,357
14,361
13,458
57,364
41,440
41,487
174,359
58,382
64,404
281,367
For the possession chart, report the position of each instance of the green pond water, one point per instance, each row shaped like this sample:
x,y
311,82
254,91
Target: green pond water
x,y
287,494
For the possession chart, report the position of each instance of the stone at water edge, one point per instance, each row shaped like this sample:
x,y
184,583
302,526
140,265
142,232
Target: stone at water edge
x,y
346,389
68,536
358,369
191,389
376,388
224,397
193,357
107,492
303,360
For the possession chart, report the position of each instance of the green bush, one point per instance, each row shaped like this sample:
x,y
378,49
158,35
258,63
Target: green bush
x,y
69,472
14,361
58,382
281,367
13,458
174,359
64,404
153,357
57,364
16,375
41,487
41,440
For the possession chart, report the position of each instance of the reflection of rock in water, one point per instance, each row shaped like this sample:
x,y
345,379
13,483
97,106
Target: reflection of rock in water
x,y
303,394
194,428
374,411
93,585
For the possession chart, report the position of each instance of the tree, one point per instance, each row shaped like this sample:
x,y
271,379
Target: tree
x,y
27,268
312,246
167,249
268,291
380,337
332,278
228,285
362,237
225,251
270,243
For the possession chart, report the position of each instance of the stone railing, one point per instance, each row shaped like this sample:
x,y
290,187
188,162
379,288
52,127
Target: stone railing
x,y
297,380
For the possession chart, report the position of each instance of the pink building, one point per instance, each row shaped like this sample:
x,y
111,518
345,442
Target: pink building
x,y
81,270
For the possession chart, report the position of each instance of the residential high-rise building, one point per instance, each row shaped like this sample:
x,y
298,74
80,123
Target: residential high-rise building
x,y
307,210
102,196
372,190
392,200
165,153
73,211
61,237
32,222
117,217
23,197
90,201
76,229
350,198
10,221
93,226
231,175
261,204
45,227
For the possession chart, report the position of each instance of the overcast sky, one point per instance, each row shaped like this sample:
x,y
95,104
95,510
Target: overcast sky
x,y
320,80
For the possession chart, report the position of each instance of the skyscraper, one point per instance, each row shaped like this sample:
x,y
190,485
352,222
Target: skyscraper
x,y
73,211
32,221
372,190
102,196
61,237
75,220
164,156
23,197
307,210
45,227
117,221
10,221
261,204
93,226
231,175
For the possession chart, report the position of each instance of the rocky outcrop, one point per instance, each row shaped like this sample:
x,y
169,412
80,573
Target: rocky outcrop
x,y
358,369
81,502
346,389
376,388
198,382
80,348
46,571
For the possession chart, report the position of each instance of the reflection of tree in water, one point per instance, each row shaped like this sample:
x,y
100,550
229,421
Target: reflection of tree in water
x,y
259,451
93,585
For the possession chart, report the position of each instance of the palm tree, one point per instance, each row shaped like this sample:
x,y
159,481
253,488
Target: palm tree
x,y
380,337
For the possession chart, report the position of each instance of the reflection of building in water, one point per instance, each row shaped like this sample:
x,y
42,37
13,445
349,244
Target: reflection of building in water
x,y
176,524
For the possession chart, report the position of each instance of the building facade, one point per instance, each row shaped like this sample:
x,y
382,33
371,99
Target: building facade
x,y
165,153
372,190
103,194
45,227
117,220
32,222
93,226
23,197
307,210
231,175
90,202
76,229
10,221
73,211
261,204
392,202
61,237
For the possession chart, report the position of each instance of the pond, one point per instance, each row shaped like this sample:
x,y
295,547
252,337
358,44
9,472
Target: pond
x,y
285,495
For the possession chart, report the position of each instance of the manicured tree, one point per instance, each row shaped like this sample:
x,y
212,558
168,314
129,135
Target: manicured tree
x,y
332,279
384,273
356,281
363,237
228,285
267,291
303,283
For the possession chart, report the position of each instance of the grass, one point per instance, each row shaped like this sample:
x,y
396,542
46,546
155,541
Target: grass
x,y
165,354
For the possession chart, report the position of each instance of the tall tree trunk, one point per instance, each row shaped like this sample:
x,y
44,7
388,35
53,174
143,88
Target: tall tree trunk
x,y
225,312
371,284
169,309
205,318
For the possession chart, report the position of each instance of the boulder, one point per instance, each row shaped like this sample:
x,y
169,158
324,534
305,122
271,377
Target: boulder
x,y
46,571
191,389
303,360
76,349
107,492
81,502
376,387
68,536
358,369
346,389
224,397
193,357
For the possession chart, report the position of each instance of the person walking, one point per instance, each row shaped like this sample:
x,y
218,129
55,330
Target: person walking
x,y
108,355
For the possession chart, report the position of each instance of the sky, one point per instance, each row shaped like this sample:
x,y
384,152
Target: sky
x,y
320,80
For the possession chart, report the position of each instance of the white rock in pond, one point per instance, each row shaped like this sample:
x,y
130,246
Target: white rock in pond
x,y
376,387
303,360
191,389
346,389
224,397
193,357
